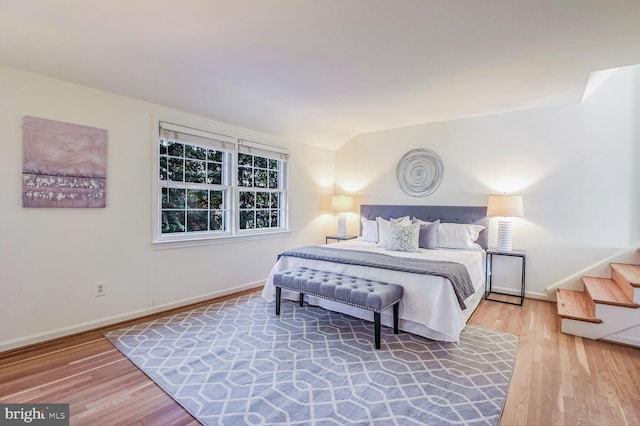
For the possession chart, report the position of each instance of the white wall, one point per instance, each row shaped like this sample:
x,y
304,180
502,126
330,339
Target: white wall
x,y
577,167
50,259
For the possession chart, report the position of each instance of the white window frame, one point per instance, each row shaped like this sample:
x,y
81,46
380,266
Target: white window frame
x,y
269,152
222,142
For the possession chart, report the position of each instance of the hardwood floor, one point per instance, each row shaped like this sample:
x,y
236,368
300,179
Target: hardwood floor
x,y
558,379
561,379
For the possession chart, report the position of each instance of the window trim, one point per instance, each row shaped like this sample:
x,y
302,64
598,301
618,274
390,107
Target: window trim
x,y
278,155
234,234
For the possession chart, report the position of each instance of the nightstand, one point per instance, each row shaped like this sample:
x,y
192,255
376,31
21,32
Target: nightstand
x,y
335,237
489,268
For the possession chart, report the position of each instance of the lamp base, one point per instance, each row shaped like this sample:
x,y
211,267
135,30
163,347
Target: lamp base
x,y
342,225
504,235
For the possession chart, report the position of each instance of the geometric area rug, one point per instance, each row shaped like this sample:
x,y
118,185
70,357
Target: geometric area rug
x,y
236,363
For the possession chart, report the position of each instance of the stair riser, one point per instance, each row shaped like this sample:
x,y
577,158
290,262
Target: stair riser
x,y
614,319
592,304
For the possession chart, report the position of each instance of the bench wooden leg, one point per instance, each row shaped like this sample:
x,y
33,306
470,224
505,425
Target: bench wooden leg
x,y
376,325
278,294
301,299
395,317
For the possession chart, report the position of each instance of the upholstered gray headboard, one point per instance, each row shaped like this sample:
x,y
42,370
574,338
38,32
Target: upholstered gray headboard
x,y
450,214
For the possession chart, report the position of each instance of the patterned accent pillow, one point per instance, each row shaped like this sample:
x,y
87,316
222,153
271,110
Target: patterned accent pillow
x,y
404,237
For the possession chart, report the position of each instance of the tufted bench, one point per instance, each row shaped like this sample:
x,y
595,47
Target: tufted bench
x,y
373,295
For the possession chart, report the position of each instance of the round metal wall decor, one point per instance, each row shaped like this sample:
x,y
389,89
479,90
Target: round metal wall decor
x,y
420,172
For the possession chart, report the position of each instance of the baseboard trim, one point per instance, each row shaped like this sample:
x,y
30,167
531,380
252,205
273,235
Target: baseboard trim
x,y
39,338
527,294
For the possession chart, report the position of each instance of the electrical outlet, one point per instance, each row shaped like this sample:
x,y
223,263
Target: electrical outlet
x,y
101,288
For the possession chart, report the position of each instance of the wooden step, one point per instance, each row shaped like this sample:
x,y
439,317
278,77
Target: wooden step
x,y
626,276
576,305
631,273
606,291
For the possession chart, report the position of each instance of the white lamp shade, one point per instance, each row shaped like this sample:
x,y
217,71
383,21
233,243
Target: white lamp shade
x,y
341,203
505,206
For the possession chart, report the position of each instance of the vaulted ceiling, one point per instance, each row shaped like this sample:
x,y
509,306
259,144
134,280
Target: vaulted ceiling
x,y
323,71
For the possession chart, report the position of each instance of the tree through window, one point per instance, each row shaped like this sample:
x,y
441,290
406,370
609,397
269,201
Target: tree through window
x,y
261,189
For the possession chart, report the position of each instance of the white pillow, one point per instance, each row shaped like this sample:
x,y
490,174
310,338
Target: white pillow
x,y
384,229
369,230
459,236
404,237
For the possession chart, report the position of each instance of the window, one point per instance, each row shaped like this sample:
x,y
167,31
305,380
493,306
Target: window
x,y
213,185
261,191
194,186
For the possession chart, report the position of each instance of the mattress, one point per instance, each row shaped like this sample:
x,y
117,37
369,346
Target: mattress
x,y
429,307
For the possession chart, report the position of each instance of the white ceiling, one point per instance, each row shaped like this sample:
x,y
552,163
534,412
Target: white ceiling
x,y
323,71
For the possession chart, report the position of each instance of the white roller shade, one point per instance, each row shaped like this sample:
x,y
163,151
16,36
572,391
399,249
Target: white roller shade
x,y
263,150
176,133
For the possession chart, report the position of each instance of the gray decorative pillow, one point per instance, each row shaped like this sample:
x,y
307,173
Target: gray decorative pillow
x,y
404,237
428,238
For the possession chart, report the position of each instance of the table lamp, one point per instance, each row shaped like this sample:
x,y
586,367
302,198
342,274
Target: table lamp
x,y
342,204
506,207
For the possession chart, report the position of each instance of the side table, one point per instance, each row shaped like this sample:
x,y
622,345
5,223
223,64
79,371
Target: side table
x,y
490,252
337,238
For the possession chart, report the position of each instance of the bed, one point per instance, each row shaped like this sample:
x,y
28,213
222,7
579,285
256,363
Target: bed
x,y
430,306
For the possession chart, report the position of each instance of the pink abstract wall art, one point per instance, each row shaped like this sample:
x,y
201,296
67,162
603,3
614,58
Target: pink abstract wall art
x,y
64,165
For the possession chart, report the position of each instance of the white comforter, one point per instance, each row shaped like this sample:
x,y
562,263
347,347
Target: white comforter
x,y
429,306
